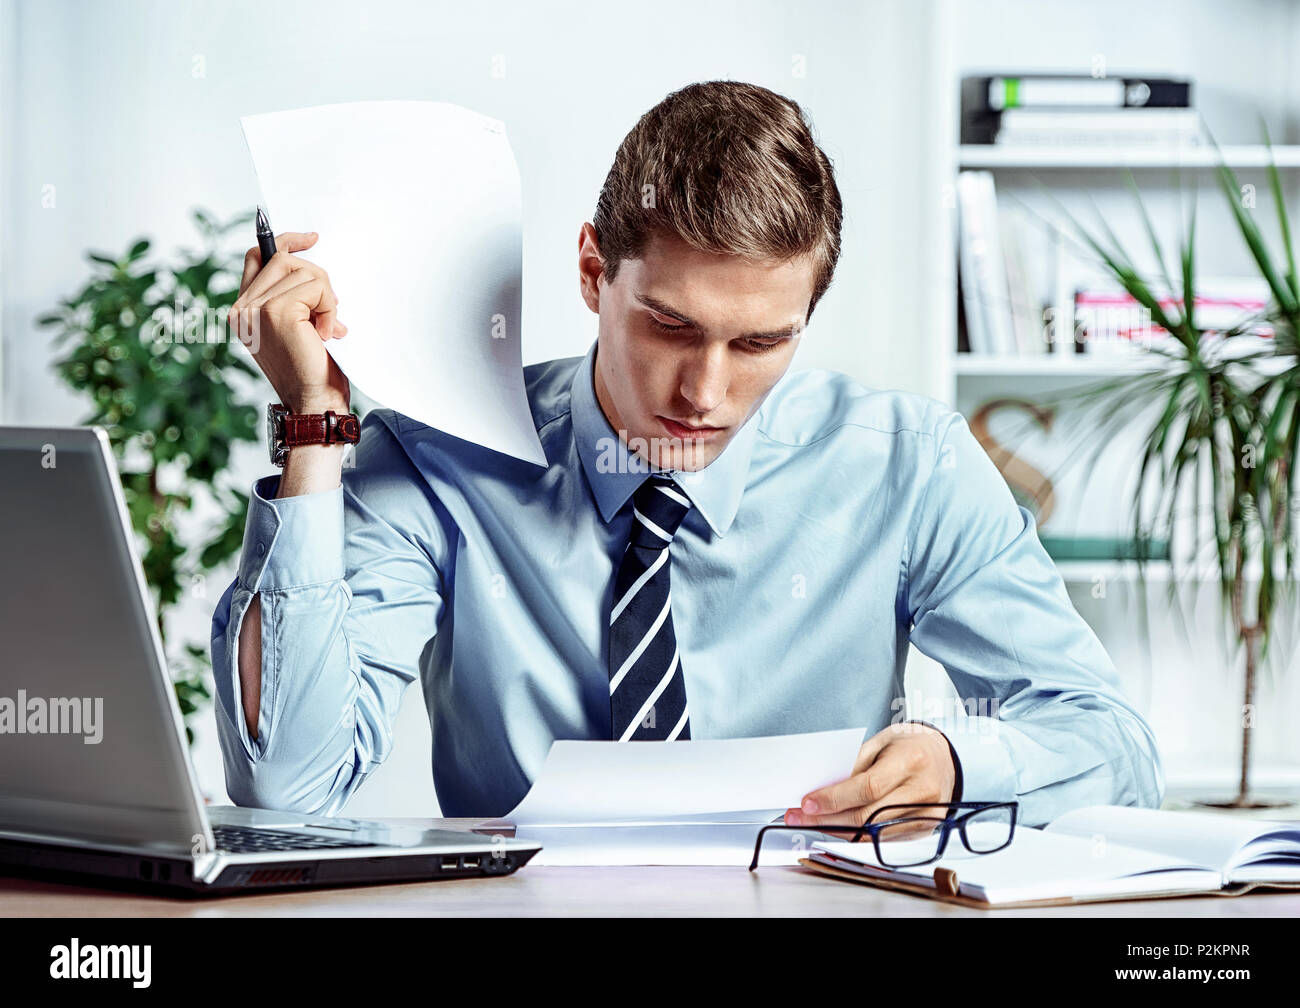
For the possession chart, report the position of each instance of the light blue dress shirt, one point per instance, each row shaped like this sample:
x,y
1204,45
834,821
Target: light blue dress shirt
x,y
840,523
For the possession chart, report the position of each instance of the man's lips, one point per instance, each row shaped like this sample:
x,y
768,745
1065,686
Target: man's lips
x,y
681,430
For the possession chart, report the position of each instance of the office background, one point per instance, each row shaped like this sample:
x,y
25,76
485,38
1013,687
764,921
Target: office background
x,y
106,103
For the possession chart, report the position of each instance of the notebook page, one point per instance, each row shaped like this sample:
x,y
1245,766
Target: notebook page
x,y
1275,857
1042,865
1208,839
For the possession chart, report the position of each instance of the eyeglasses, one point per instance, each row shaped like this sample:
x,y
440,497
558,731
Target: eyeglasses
x,y
905,836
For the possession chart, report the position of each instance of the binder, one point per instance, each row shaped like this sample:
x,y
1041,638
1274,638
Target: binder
x,y
947,889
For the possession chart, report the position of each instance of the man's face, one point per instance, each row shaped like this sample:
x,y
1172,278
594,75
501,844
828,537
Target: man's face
x,y
689,339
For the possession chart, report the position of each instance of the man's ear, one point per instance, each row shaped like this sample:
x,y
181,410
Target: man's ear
x,y
591,267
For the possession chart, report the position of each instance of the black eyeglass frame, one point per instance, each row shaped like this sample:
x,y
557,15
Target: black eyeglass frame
x,y
949,822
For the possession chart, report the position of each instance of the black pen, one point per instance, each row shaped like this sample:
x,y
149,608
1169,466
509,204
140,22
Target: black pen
x,y
265,238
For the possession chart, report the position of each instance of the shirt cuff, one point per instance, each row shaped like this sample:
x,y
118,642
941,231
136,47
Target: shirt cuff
x,y
984,768
292,541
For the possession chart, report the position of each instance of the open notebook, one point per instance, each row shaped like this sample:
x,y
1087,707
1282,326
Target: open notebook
x,y
1101,852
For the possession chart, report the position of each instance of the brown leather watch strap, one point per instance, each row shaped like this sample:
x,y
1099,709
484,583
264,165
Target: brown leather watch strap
x,y
321,429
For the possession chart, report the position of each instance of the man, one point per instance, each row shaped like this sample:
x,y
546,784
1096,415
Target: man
x,y
718,548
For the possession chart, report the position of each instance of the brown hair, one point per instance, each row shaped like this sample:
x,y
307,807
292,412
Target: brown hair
x,y
734,169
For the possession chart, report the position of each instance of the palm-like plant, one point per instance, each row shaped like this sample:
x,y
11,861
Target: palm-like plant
x,y
1229,406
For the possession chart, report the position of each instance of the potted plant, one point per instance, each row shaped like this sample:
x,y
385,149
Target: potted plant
x,y
148,345
1230,405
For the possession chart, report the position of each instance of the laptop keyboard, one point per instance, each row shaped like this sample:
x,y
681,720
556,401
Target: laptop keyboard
x,y
251,840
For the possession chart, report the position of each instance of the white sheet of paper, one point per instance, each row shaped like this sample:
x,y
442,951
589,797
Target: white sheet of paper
x,y
745,780
418,209
666,844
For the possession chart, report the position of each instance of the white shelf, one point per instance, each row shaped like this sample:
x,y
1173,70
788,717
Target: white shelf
x,y
1072,365
1160,571
1241,156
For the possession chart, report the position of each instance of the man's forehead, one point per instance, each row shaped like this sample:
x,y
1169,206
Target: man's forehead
x,y
694,286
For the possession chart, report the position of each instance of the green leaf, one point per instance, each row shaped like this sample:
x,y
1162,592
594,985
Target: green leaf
x,y
1150,229
1250,233
1279,201
1189,281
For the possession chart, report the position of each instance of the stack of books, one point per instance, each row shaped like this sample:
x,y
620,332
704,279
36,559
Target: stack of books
x,y
1111,318
1003,275
1074,110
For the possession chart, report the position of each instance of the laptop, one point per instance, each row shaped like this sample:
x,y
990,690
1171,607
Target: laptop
x,y
95,775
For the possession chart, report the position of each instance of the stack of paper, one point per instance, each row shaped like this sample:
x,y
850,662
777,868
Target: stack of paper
x,y
700,802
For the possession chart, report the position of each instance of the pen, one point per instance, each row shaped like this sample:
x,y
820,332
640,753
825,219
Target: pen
x,y
265,238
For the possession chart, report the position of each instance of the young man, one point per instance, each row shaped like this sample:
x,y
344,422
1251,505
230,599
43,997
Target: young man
x,y
718,548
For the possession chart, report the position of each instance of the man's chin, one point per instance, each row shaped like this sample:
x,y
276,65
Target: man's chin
x,y
685,456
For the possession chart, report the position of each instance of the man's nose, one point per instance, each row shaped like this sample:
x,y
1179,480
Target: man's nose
x,y
705,380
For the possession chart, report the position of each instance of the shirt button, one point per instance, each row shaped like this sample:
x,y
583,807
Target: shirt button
x,y
261,549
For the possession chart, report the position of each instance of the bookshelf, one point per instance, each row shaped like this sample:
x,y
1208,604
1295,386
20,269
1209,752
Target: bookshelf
x,y
1094,180
1044,158
1176,666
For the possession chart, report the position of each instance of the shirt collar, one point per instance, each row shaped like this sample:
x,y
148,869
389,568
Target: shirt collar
x,y
614,472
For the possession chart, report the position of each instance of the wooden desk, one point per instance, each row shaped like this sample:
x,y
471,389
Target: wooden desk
x,y
623,891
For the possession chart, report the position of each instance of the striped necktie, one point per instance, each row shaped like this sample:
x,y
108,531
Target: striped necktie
x,y
647,691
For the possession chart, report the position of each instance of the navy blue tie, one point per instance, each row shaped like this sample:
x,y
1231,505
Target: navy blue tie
x,y
647,691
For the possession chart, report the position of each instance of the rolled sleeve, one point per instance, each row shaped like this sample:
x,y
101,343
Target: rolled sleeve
x,y
292,541
1041,719
352,593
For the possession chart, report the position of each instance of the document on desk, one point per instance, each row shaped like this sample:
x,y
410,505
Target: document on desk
x,y
696,802
418,209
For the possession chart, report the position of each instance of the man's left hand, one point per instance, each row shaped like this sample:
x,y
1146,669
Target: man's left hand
x,y
907,763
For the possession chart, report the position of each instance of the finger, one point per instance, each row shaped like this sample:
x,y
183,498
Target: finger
x,y
285,304
299,297
313,283
862,790
281,265
868,753
906,794
290,241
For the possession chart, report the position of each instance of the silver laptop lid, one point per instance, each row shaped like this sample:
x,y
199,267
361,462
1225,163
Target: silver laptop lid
x,y
92,747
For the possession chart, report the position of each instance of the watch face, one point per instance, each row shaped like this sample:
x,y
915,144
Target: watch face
x,y
275,445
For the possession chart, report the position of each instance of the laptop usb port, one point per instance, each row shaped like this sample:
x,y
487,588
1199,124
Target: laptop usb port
x,y
471,862
448,863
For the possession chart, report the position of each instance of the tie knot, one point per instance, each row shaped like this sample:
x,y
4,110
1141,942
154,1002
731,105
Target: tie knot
x,y
658,508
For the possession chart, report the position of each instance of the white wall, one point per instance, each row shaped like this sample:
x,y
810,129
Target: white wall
x,y
101,101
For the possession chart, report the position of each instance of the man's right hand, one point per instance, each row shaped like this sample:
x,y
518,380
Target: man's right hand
x,y
284,313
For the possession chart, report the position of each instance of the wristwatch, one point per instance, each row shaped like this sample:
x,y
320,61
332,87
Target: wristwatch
x,y
285,430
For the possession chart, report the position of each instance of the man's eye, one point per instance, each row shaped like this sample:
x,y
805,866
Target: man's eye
x,y
762,346
665,327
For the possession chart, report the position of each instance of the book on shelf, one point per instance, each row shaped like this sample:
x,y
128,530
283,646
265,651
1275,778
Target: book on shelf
x,y
1102,852
986,97
983,272
1122,127
1026,314
1110,318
